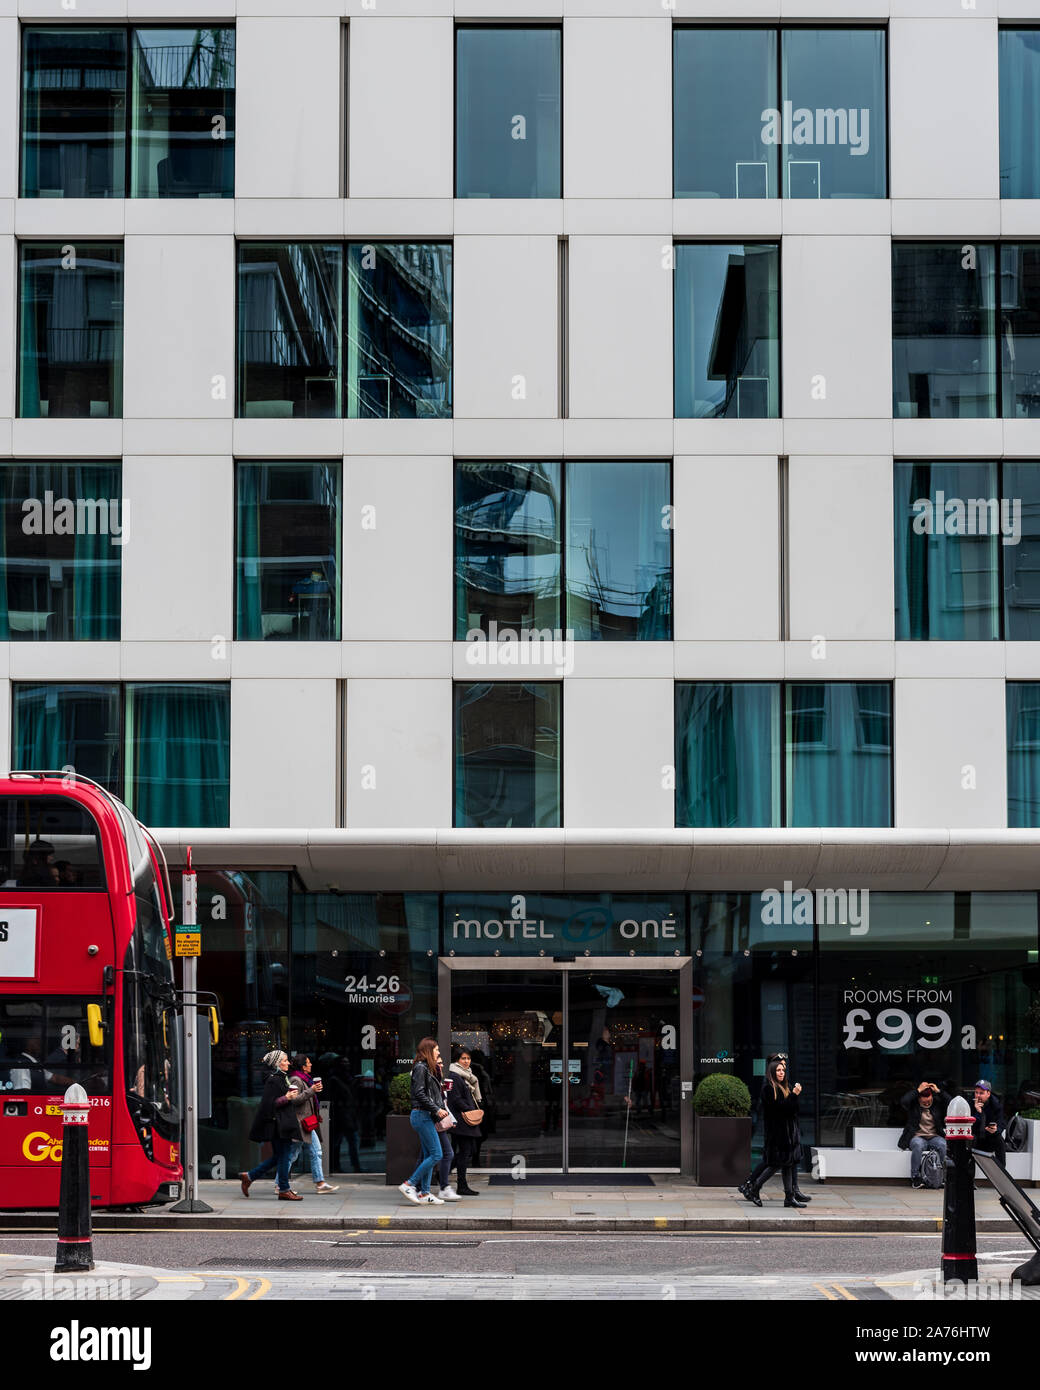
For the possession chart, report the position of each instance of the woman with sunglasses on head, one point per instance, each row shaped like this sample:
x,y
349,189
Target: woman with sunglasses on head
x,y
783,1142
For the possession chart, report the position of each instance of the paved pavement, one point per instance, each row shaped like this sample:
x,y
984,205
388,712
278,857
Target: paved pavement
x,y
671,1203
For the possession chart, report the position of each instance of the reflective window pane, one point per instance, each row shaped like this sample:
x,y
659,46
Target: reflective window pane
x,y
1020,330
399,330
1019,113
619,551
76,725
1021,556
507,112
287,554
73,112
727,754
182,125
947,552
507,547
832,123
290,307
507,755
727,331
943,330
70,349
839,754
178,753
723,81
60,552
1023,754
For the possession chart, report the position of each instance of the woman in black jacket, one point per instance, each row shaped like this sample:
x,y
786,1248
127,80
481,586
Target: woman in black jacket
x,y
276,1123
465,1137
427,1108
783,1142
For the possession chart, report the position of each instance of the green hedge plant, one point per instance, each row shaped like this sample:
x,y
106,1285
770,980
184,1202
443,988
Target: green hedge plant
x,y
721,1094
401,1093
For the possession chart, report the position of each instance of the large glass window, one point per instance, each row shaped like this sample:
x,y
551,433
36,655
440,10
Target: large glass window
x,y
1023,754
182,123
70,330
507,755
824,137
287,554
1019,318
727,754
74,726
839,754
507,112
60,551
727,330
1019,51
1020,550
80,140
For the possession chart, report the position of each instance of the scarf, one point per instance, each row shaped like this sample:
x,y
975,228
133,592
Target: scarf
x,y
470,1079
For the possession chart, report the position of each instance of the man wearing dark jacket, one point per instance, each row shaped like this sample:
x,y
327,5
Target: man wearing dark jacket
x,y
988,1114
925,1117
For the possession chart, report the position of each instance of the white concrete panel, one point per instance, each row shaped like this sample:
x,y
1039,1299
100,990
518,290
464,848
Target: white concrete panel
x,y
397,660
424,219
846,661
397,436
727,219
9,100
828,371
178,563
948,735
727,565
610,780
836,216
508,216
179,216
943,103
68,438
619,438
179,327
742,437
841,549
839,436
398,742
62,661
173,437
620,327
290,218
51,219
288,438
952,218
617,108
401,99
398,536
283,753
533,439
174,661
953,659
266,660
288,135
506,330
617,217
947,439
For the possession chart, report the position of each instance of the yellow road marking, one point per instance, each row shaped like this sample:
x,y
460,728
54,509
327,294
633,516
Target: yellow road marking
x,y
243,1284
660,1222
383,1221
176,1278
265,1288
826,1292
845,1293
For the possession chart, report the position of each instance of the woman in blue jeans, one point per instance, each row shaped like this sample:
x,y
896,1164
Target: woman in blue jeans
x,y
427,1108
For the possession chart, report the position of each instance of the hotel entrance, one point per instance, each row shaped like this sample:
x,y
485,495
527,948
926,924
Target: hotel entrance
x,y
581,1062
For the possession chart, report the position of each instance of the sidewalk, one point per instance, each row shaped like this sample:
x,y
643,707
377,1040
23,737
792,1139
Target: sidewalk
x,y
672,1203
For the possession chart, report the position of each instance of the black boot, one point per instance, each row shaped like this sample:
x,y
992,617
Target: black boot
x,y
790,1200
749,1191
801,1197
464,1189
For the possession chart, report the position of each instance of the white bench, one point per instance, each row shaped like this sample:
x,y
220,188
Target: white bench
x,y
875,1153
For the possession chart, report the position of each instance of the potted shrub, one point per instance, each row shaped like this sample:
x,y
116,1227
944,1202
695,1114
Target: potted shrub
x,y
721,1131
402,1142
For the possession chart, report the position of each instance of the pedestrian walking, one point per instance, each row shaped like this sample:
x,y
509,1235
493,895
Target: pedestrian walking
x,y
782,1147
276,1123
427,1108
310,1121
464,1103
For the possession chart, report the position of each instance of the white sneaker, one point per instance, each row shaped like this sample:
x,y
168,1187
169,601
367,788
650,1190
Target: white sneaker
x,y
407,1190
429,1200
448,1194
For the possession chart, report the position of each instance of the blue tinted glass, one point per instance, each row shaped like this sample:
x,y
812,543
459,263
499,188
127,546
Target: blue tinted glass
x,y
831,126
727,754
56,726
290,309
619,551
507,755
70,347
947,529
507,113
73,113
723,80
399,330
727,331
1021,518
178,753
839,754
943,330
1020,330
507,547
1023,754
1019,113
287,566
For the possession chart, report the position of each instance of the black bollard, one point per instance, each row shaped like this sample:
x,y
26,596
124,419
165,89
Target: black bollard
x,y
958,1234
75,1250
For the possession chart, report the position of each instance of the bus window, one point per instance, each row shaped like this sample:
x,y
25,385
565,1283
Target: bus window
x,y
45,1047
150,1061
48,842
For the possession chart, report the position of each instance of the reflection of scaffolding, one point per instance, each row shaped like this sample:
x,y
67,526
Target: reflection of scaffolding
x,y
207,63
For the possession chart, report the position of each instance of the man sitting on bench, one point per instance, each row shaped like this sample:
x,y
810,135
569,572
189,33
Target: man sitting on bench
x,y
925,1116
989,1123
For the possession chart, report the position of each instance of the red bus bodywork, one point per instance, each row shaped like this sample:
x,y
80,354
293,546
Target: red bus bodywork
x,y
69,926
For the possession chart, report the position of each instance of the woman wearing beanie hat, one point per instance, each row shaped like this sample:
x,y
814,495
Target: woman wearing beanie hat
x,y
276,1123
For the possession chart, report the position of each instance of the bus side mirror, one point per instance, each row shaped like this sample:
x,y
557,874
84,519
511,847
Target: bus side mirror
x,y
214,1025
95,1030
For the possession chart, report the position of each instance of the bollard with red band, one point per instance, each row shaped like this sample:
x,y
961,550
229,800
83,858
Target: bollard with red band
x,y
75,1250
958,1234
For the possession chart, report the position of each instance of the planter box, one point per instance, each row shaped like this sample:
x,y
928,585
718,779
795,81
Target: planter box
x,y
721,1150
402,1149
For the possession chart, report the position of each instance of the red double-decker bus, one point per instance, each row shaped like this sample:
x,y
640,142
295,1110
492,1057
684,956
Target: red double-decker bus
x,y
86,994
